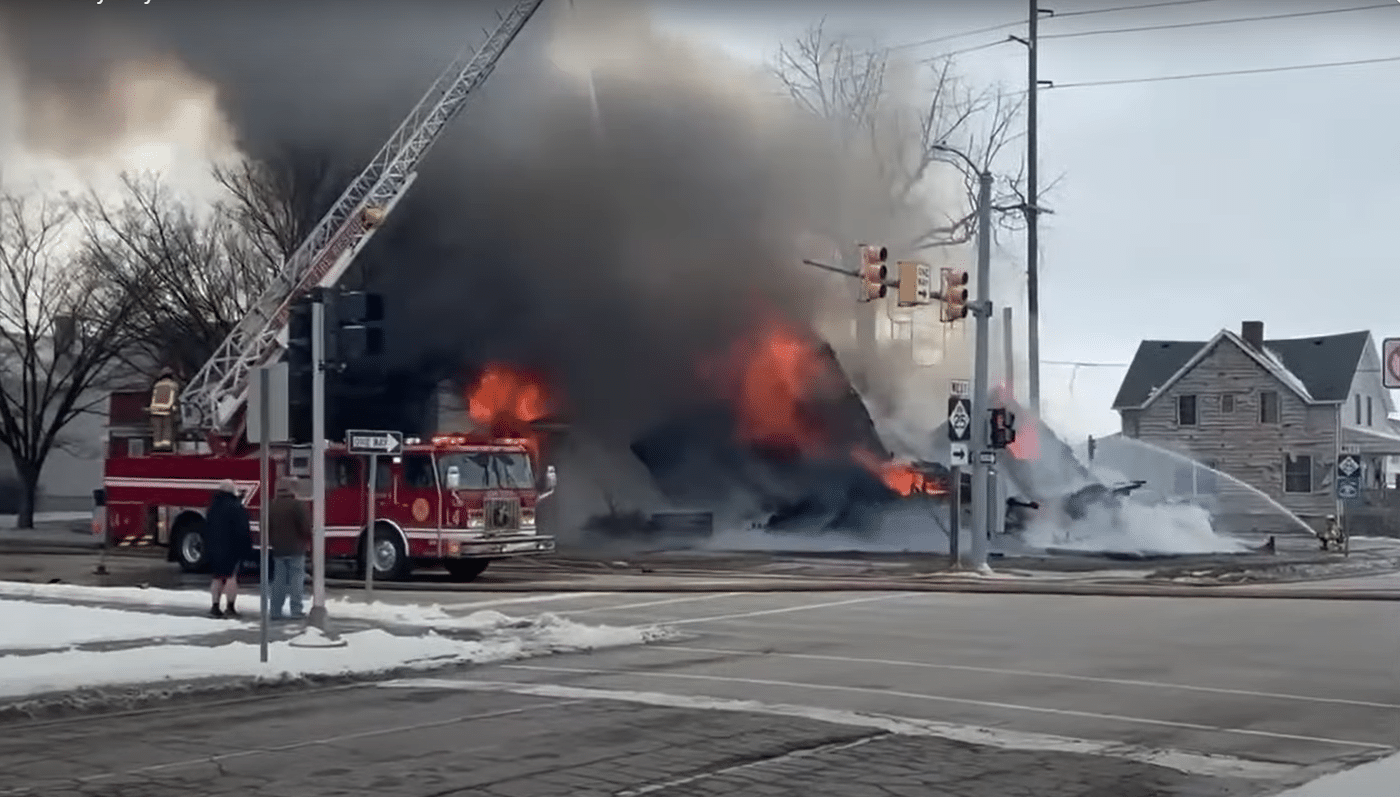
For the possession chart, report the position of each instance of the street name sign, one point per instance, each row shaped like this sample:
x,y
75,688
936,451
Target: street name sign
x,y
363,441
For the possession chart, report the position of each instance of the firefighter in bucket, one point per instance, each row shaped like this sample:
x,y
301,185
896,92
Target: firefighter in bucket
x,y
162,409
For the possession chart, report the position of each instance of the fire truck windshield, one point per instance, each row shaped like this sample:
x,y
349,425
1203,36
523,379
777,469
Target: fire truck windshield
x,y
489,470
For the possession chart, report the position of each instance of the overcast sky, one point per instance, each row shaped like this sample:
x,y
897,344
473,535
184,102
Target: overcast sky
x,y
1186,206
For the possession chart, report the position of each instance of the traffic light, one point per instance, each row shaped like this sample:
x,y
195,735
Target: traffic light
x,y
953,288
1003,427
301,371
354,329
873,272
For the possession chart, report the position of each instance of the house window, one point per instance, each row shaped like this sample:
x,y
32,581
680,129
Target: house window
x,y
1297,474
1227,402
1358,409
1268,406
1186,410
1368,411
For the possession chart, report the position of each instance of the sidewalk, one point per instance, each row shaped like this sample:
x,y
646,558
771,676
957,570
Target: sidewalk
x,y
51,529
57,639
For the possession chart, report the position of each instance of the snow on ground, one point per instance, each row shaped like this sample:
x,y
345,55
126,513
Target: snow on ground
x,y
1376,779
182,648
39,626
433,615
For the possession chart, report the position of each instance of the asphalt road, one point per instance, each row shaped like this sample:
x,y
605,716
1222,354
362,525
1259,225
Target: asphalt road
x,y
800,694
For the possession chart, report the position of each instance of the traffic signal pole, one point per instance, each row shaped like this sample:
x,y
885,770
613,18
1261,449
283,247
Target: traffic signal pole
x,y
317,617
981,424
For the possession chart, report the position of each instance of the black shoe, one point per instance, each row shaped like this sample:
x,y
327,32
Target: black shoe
x,y
231,612
215,612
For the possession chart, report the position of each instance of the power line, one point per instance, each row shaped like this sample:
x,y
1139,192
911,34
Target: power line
x,y
1225,73
963,51
1020,22
1079,364
1211,22
951,36
1141,7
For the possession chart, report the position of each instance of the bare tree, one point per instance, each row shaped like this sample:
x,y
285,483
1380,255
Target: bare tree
x,y
846,82
63,331
192,275
278,199
196,273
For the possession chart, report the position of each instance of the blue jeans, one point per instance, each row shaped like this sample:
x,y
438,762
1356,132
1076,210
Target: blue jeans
x,y
287,581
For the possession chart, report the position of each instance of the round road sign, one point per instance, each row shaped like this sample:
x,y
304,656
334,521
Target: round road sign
x,y
1392,366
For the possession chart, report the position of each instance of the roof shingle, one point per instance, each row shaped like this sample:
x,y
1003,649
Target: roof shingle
x,y
1325,364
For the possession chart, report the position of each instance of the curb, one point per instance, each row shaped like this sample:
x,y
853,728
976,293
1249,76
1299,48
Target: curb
x,y
846,585
162,695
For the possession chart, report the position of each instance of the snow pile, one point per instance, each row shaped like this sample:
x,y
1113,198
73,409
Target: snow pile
x,y
422,639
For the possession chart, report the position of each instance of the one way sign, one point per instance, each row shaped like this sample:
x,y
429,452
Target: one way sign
x,y
361,441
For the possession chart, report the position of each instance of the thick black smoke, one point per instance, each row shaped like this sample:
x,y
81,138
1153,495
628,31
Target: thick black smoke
x,y
611,243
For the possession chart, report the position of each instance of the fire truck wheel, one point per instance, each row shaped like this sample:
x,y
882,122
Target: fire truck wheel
x,y
465,569
391,561
187,543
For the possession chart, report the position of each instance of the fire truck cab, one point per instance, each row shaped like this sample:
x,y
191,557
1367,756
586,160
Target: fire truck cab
x,y
458,501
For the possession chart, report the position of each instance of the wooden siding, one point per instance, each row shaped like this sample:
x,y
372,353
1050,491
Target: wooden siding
x,y
1237,443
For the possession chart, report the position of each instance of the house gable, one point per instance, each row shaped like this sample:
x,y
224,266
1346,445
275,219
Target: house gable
x,y
1267,363
1367,384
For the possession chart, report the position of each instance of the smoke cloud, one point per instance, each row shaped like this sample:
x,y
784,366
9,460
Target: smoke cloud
x,y
615,204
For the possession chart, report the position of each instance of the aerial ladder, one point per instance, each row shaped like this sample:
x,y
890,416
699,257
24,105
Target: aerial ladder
x,y
211,400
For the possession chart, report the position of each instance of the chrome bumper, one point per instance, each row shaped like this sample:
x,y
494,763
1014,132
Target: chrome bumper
x,y
497,547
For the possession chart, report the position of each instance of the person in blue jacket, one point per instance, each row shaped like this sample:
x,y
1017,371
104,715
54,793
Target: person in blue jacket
x,y
228,543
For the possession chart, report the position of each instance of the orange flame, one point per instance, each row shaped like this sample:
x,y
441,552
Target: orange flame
x,y
504,402
773,377
770,376
901,477
1027,444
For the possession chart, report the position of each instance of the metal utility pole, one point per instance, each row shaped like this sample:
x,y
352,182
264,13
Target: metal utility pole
x,y
371,545
1008,347
955,518
264,399
1032,213
981,425
317,617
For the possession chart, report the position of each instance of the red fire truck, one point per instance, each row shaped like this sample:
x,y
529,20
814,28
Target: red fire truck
x,y
458,500
455,500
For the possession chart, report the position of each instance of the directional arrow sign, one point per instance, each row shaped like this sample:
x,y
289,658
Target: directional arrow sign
x,y
362,441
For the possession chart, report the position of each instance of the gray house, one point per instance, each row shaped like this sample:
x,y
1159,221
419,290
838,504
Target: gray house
x,y
1270,413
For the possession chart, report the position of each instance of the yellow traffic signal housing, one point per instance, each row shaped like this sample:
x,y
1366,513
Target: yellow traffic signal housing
x,y
873,272
953,289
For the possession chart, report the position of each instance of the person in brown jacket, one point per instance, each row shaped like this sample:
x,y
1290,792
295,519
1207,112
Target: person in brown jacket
x,y
289,538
